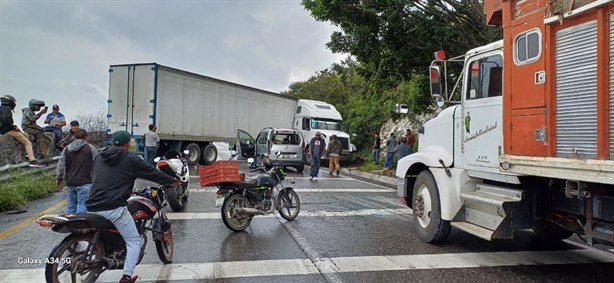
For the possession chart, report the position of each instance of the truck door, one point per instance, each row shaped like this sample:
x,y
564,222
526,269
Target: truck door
x,y
131,98
482,131
246,148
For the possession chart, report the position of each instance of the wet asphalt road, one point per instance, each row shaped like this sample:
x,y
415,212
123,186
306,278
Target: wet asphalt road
x,y
348,231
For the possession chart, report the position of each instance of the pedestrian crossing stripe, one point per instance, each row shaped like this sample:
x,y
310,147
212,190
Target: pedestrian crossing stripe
x,y
335,265
360,212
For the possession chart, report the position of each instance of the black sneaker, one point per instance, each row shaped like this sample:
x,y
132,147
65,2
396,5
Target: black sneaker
x,y
128,279
36,164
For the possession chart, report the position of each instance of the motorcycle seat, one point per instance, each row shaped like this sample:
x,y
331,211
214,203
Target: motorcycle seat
x,y
88,220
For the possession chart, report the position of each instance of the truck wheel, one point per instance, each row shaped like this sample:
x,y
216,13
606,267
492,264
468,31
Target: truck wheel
x,y
194,155
427,210
209,152
300,168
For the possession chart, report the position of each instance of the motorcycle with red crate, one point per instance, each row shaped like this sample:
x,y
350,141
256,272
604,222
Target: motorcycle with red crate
x,y
94,245
241,200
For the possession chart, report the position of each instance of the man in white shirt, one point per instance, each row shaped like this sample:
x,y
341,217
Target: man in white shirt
x,y
151,144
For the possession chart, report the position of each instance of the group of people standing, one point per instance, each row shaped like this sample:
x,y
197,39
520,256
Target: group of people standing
x,y
402,147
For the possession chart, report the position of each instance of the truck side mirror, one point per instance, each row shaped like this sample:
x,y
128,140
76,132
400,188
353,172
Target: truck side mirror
x,y
435,76
401,108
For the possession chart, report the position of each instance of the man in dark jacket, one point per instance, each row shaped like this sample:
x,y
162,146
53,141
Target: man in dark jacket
x,y
7,127
76,165
334,154
113,174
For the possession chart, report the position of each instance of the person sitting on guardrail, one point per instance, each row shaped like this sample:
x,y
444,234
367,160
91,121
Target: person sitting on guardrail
x,y
28,124
56,121
7,127
75,165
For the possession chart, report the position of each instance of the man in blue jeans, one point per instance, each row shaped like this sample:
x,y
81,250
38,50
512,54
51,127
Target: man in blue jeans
x,y
316,149
113,174
391,143
76,166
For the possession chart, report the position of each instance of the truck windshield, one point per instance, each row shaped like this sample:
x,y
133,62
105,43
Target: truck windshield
x,y
323,124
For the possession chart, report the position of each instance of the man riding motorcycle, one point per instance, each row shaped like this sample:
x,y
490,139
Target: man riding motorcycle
x,y
113,174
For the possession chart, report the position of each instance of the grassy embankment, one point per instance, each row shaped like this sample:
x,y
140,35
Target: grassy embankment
x,y
21,188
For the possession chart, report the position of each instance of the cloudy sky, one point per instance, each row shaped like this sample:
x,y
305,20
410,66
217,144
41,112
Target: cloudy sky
x,y
60,51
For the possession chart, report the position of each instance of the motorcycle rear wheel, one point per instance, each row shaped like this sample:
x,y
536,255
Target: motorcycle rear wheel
x,y
175,202
234,220
288,204
164,246
70,262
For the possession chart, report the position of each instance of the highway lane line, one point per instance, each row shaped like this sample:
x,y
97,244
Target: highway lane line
x,y
28,221
360,212
336,265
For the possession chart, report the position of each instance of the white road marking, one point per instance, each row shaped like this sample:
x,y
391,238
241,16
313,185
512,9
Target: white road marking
x,y
314,190
361,212
288,267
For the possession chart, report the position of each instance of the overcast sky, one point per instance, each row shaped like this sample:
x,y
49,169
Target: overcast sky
x,y
60,51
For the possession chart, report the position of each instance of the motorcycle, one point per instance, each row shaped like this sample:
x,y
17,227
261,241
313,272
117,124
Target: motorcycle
x,y
175,165
94,245
261,195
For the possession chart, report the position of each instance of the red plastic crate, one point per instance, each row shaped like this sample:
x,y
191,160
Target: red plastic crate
x,y
219,172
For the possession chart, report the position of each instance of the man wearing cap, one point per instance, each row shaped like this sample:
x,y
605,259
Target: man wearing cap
x,y
74,126
28,124
55,121
113,174
316,148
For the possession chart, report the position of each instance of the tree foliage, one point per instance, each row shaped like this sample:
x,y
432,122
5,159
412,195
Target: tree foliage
x,y
391,44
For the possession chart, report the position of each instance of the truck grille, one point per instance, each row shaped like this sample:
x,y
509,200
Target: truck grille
x,y
345,143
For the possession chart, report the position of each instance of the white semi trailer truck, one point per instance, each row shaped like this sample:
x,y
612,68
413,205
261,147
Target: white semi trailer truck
x,y
192,111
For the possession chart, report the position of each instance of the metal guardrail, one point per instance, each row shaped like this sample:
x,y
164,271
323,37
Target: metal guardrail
x,y
6,169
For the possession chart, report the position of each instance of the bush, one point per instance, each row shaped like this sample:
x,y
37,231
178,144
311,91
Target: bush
x,y
23,187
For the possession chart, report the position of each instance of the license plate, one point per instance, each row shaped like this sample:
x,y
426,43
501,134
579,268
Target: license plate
x,y
286,156
219,200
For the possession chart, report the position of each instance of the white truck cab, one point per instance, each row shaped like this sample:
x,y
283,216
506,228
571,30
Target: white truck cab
x,y
313,116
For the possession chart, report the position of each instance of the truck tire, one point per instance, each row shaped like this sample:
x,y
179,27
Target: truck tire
x,y
300,168
427,210
194,155
209,154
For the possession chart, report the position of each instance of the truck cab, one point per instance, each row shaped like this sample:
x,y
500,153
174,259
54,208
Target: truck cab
x,y
313,116
527,144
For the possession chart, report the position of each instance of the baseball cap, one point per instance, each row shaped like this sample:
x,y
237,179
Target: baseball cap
x,y
55,106
121,137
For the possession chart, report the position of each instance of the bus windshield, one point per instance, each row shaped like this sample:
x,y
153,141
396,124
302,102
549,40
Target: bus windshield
x,y
325,124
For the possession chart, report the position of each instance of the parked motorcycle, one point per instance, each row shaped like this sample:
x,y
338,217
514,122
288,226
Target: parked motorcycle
x,y
175,165
261,195
94,245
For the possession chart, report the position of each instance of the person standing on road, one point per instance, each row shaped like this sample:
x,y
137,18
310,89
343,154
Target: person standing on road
x,y
56,121
28,124
334,154
411,140
74,126
76,166
151,144
113,174
8,127
391,143
375,148
316,149
402,149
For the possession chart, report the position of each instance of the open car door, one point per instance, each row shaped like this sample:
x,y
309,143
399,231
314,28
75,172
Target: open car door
x,y
246,148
